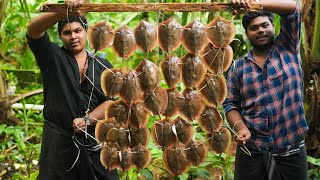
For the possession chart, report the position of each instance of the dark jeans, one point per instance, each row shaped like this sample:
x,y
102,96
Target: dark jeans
x,y
286,168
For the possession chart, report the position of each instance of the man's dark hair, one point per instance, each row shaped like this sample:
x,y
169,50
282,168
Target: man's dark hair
x,y
81,19
247,18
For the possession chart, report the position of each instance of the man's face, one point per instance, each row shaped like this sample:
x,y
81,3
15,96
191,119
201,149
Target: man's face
x,y
260,33
73,36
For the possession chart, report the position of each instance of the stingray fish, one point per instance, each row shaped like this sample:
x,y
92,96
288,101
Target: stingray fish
x,y
141,156
219,141
131,90
139,116
220,32
111,82
103,127
146,36
193,70
194,37
162,133
210,120
124,43
125,157
171,68
184,130
169,35
118,110
139,136
196,152
217,60
213,89
100,36
193,105
149,75
175,160
109,157
119,135
157,101
175,102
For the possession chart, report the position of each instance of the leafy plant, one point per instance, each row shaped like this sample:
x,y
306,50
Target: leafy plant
x,y
11,78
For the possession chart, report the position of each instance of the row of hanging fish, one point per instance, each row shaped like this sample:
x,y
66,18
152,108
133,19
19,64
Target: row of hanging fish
x,y
125,146
124,133
169,34
143,82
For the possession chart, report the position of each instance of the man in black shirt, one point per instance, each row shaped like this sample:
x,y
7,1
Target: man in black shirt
x,y
72,95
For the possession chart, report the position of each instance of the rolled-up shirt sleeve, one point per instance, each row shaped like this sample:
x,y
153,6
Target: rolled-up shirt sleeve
x,y
290,33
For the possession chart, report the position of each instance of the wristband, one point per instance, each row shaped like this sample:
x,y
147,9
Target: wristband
x,y
87,120
234,125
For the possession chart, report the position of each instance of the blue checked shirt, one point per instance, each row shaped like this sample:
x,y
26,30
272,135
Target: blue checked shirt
x,y
271,99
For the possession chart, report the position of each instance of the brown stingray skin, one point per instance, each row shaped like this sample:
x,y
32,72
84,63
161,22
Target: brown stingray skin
x,y
171,68
124,43
169,35
146,36
196,152
125,159
213,89
175,160
193,106
184,130
102,128
109,157
210,120
139,136
141,156
139,116
194,37
111,82
131,91
118,110
119,135
149,75
157,101
193,70
220,32
162,133
175,102
219,141
217,60
100,36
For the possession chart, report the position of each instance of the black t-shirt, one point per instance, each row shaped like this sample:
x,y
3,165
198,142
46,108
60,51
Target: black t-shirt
x,y
64,97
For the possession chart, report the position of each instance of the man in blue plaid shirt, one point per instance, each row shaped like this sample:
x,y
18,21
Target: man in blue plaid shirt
x,y
265,96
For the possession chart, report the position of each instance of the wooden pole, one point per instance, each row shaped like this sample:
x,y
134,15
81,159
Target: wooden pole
x,y
149,7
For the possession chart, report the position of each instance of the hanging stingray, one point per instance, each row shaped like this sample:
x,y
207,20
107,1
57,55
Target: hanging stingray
x,y
194,37
100,36
169,35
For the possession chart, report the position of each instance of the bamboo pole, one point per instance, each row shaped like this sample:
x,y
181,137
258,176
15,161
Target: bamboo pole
x,y
148,7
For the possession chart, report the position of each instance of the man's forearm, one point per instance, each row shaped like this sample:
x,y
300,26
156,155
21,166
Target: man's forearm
x,y
281,7
38,25
99,112
235,120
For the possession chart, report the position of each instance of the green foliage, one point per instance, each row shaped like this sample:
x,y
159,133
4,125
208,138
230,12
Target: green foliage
x,y
315,51
16,54
315,172
11,78
17,147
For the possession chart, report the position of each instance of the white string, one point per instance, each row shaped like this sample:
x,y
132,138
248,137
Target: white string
x,y
102,64
86,132
94,85
74,163
90,98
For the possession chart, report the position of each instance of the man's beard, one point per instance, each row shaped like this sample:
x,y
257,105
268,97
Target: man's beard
x,y
264,46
